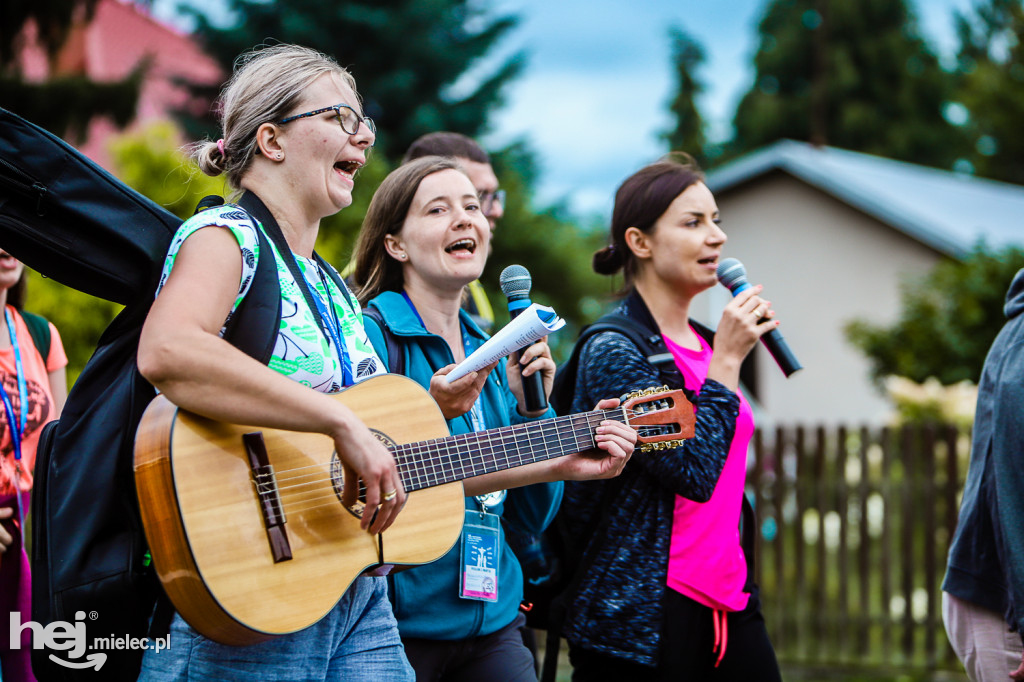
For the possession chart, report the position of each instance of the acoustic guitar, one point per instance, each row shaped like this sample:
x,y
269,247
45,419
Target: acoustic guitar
x,y
246,527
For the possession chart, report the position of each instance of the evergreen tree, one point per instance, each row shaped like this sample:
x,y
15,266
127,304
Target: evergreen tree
x,y
991,86
408,56
66,103
855,75
687,57
948,320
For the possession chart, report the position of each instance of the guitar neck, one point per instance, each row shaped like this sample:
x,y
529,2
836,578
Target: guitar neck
x,y
428,463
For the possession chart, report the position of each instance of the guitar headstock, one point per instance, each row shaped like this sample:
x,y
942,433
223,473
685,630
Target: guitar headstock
x,y
661,417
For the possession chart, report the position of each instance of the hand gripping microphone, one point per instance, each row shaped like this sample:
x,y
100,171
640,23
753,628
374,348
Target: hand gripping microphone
x,y
733,276
515,283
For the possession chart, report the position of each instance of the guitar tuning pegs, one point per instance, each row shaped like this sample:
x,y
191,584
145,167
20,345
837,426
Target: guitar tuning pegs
x,y
663,445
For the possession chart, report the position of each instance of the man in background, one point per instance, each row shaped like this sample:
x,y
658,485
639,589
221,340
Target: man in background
x,y
983,593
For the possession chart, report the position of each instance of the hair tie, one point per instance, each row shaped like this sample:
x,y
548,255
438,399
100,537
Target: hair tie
x,y
611,248
220,146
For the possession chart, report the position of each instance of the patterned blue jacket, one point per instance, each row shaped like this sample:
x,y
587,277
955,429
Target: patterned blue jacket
x,y
617,610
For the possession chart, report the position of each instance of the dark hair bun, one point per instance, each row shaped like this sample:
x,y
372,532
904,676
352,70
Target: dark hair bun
x,y
607,261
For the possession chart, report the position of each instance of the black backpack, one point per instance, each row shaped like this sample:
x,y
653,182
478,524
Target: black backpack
x,y
67,218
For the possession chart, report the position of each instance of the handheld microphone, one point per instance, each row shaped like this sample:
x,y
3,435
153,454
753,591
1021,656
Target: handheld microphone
x,y
515,283
733,277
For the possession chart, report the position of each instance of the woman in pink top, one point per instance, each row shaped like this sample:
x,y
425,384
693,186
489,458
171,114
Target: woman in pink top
x,y
666,594
33,389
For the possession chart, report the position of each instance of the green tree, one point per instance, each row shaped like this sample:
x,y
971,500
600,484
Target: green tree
x,y
855,75
66,103
948,320
990,67
552,247
408,56
689,132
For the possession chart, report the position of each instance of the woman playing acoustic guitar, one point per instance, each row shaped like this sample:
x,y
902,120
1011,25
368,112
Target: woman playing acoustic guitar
x,y
424,239
294,137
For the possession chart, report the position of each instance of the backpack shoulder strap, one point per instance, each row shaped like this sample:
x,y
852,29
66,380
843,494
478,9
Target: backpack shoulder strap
x,y
649,342
39,330
396,356
254,326
565,378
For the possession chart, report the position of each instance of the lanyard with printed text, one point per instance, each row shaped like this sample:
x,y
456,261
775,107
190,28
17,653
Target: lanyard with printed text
x,y
17,426
332,325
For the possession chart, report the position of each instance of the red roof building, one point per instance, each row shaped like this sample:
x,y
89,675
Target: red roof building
x,y
119,37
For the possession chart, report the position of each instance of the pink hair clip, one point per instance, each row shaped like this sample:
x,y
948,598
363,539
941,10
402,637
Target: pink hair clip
x,y
220,146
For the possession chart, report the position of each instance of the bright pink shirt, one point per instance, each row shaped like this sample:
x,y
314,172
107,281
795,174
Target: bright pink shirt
x,y
705,560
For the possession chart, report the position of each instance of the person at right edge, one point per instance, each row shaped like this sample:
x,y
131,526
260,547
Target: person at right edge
x,y
666,594
983,593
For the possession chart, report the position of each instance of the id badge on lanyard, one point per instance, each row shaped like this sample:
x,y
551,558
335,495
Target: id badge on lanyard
x,y
480,556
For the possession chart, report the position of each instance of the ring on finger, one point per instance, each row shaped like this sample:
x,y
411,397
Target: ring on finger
x,y
390,495
756,311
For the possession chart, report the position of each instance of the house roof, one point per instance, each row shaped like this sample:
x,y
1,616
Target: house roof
x,y
948,211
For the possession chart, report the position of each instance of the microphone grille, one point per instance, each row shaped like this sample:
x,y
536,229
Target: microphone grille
x,y
515,281
731,273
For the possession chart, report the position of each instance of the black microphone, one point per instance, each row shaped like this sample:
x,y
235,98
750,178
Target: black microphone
x,y
733,277
515,283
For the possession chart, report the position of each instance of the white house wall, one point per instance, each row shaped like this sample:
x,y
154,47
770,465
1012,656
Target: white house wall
x,y
822,264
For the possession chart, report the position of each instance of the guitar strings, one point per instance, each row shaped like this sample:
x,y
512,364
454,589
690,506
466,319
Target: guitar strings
x,y
446,457
321,486
404,466
439,446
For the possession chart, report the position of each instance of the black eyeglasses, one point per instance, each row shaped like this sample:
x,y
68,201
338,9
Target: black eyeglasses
x,y
348,118
489,199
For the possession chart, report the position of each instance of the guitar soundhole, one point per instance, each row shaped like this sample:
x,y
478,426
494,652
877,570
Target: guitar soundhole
x,y
338,477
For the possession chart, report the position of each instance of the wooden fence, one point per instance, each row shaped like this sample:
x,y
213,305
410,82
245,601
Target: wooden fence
x,y
855,527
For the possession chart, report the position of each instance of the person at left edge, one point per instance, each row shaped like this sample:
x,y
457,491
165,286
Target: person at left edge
x,y
34,388
424,239
294,135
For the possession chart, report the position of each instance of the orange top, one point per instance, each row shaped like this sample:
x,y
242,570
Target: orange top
x,y
40,400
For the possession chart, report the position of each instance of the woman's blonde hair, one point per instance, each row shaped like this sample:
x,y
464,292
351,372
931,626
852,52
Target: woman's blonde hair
x,y
376,271
266,85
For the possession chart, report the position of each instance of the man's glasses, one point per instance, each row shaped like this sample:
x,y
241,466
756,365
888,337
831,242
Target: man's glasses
x,y
348,117
489,199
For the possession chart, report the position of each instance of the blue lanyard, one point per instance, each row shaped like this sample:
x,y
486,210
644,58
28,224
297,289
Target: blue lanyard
x,y
476,413
17,426
332,325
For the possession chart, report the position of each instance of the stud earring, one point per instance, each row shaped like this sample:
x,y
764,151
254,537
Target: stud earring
x,y
280,156
403,256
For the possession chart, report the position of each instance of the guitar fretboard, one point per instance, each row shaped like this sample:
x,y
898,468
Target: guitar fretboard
x,y
444,460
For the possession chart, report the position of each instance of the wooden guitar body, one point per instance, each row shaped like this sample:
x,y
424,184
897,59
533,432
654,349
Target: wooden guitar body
x,y
246,526
208,540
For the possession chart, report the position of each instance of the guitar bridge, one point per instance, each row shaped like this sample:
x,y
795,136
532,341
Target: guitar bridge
x,y
269,496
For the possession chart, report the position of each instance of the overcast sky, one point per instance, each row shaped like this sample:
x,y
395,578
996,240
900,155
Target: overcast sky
x,y
594,96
